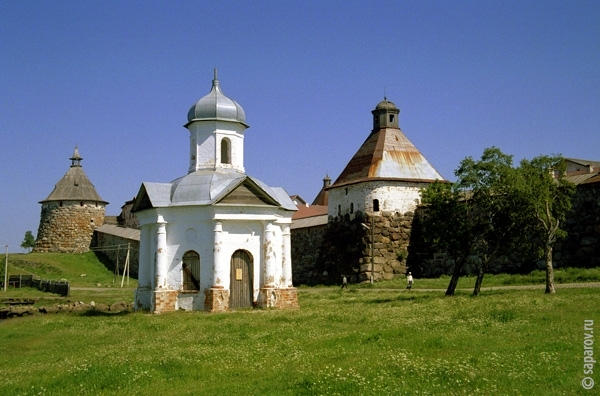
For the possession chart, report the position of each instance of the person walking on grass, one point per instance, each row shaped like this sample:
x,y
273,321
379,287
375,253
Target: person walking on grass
x,y
344,282
409,281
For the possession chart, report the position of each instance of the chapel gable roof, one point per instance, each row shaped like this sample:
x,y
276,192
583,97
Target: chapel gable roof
x,y
211,188
247,193
152,195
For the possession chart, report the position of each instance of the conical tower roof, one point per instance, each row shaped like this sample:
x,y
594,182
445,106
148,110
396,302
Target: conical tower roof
x,y
322,197
74,185
387,154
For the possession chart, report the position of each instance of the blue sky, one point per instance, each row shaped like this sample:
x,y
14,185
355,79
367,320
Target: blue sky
x,y
117,78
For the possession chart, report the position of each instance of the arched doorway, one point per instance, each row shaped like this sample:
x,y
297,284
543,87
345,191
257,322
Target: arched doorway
x,y
241,291
191,271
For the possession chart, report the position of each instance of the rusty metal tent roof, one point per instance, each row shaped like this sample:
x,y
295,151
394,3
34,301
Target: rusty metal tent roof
x,y
387,154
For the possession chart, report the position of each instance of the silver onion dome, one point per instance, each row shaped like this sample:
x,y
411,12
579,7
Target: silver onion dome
x,y
216,106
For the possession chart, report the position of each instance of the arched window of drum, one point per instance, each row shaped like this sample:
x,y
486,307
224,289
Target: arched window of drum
x,y
375,205
351,207
191,270
225,151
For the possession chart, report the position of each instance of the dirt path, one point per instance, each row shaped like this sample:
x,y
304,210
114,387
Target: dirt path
x,y
441,290
103,289
520,287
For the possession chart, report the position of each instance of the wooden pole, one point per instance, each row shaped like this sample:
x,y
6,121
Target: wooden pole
x,y
127,262
126,268
6,268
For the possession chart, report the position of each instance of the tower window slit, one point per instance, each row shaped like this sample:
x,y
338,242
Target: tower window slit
x,y
225,151
375,205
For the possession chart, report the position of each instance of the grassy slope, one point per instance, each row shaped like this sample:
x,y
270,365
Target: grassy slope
x,y
71,267
62,266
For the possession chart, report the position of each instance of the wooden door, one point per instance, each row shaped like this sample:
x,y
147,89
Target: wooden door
x,y
241,280
191,271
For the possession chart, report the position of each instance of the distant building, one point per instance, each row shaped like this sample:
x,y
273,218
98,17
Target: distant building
x,y
581,246
70,213
298,200
215,239
586,168
126,218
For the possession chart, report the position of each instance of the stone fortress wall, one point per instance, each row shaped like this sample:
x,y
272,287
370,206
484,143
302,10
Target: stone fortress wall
x,y
68,226
322,255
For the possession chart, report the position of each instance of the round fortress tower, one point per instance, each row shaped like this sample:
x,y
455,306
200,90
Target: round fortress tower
x,y
70,213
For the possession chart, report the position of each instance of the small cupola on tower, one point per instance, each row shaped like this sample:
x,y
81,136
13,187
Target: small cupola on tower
x,y
385,115
216,124
76,158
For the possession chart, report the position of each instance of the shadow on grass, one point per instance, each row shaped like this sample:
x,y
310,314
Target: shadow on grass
x,y
401,297
92,312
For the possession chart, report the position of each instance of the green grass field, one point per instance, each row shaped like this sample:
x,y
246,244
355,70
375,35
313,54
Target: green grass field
x,y
360,341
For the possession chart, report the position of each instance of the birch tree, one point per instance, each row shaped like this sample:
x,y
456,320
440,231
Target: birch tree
x,y
545,198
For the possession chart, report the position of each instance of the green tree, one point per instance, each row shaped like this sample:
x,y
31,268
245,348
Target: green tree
x,y
488,183
28,241
447,226
545,198
473,216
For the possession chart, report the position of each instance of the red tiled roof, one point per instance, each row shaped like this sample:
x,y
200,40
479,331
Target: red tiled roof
x,y
309,211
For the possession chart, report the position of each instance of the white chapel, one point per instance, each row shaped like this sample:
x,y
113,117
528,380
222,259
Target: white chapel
x,y
215,239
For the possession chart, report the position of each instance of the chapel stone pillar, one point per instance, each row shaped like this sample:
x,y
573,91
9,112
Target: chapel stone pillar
x,y
165,299
161,254
216,297
286,252
286,294
269,255
268,294
220,261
